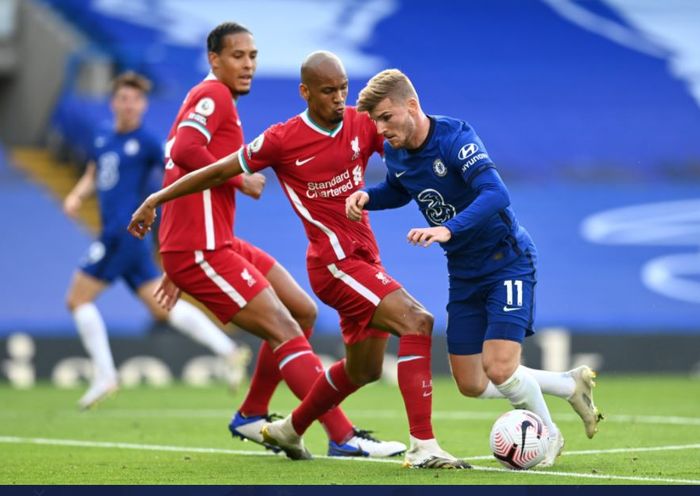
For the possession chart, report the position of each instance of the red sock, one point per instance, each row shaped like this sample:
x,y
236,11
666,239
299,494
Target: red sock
x,y
263,383
415,382
265,379
298,365
337,425
329,390
300,368
266,376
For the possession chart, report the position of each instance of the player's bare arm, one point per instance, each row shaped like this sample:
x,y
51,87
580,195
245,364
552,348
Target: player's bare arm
x,y
426,236
207,177
354,205
83,189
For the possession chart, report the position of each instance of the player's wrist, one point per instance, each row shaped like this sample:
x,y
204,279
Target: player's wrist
x,y
154,200
364,196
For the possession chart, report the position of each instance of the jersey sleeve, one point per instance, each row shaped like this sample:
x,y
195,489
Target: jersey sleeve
x,y
389,194
492,197
207,110
263,151
468,154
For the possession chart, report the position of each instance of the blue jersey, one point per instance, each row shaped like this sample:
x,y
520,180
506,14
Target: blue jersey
x,y
454,183
125,165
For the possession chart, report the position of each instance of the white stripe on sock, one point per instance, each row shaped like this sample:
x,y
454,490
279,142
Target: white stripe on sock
x,y
409,358
291,357
330,381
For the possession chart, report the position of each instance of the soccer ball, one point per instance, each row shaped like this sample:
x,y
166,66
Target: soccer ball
x,y
519,439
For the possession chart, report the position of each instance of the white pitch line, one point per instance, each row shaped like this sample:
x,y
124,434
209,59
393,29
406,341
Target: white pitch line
x,y
144,447
185,449
438,415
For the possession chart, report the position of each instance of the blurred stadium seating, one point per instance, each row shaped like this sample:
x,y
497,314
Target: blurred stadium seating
x,y
586,107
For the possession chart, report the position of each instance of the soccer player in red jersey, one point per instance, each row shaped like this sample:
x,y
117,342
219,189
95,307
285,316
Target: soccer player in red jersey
x,y
121,160
320,158
228,274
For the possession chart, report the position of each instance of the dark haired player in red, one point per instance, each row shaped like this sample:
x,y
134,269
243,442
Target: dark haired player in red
x,y
230,276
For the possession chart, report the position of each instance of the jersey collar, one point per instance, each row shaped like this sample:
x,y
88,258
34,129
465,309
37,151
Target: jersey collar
x,y
212,77
321,130
422,146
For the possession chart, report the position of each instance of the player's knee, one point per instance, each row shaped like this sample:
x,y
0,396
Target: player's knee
x,y
499,366
498,371
306,317
159,315
468,387
421,321
73,302
284,324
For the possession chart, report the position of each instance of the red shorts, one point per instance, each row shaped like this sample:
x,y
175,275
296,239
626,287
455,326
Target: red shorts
x,y
354,287
222,280
261,259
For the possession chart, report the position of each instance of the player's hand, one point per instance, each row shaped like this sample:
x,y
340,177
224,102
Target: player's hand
x,y
426,236
166,294
71,205
354,205
143,219
253,185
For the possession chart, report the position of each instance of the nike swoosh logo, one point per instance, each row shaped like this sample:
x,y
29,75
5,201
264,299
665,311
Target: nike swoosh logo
x,y
427,393
302,162
399,174
511,309
523,429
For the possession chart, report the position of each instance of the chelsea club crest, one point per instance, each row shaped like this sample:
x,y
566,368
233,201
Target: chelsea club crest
x,y
439,168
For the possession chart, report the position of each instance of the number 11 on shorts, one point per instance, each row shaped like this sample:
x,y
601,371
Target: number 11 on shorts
x,y
509,291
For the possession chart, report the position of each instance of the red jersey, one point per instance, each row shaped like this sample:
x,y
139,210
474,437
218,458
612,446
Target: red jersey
x,y
318,169
204,220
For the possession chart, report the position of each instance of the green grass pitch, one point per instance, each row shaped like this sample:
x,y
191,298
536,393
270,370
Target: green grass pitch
x,y
178,435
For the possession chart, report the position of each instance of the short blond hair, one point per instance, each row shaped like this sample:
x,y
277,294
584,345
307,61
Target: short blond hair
x,y
390,83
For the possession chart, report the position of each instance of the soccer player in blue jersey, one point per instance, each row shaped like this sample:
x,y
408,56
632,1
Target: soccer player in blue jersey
x,y
121,163
441,164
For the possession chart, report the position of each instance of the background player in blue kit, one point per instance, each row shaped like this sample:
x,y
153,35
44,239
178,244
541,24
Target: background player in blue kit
x,y
442,165
123,160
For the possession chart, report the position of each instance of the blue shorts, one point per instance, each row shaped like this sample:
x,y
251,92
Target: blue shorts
x,y
111,257
500,305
